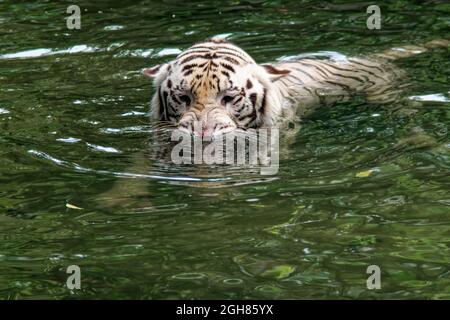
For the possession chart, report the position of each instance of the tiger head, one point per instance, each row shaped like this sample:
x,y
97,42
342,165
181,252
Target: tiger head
x,y
215,87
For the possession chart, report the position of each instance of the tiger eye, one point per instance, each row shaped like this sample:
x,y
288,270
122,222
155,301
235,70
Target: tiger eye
x,y
226,99
185,99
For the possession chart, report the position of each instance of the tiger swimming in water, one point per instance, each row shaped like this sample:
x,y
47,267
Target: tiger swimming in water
x,y
218,85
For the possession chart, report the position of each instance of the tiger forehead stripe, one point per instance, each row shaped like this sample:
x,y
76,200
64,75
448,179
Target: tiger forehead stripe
x,y
216,47
227,66
190,66
229,56
232,60
232,51
211,50
189,51
195,56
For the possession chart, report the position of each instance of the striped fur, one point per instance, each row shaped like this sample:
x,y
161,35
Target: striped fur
x,y
218,85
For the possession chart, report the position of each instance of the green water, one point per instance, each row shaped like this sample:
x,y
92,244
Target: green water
x,y
74,129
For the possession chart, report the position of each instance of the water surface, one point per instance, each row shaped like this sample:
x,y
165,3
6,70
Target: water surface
x,y
74,129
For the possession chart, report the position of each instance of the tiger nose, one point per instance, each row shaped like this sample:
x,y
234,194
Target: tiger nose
x,y
211,121
203,130
209,130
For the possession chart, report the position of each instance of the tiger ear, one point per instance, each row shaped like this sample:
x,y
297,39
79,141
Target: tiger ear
x,y
274,72
158,73
153,71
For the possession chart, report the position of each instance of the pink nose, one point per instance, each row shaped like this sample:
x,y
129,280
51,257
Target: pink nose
x,y
204,132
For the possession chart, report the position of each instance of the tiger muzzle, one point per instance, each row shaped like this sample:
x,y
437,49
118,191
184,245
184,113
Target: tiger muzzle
x,y
209,122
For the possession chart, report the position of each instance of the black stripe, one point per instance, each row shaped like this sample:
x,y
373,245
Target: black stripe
x,y
346,76
201,47
172,108
197,86
381,91
189,66
370,72
253,97
231,54
240,109
238,100
195,56
215,47
308,89
231,60
174,98
332,73
227,66
165,96
252,117
163,115
218,82
190,52
338,75
343,86
336,67
367,66
263,103
283,81
304,72
316,67
291,75
243,116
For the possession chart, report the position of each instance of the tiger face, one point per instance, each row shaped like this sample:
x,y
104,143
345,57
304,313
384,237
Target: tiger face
x,y
215,87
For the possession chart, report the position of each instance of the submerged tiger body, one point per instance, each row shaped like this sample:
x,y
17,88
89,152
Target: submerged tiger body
x,y
218,86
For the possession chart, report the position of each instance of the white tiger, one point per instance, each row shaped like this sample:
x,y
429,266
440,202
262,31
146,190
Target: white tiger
x,y
218,85
222,87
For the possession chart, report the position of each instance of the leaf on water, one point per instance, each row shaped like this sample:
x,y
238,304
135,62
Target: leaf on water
x,y
297,210
364,174
279,272
276,229
71,206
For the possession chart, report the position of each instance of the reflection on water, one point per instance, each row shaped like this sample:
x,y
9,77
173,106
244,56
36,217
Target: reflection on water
x,y
358,185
